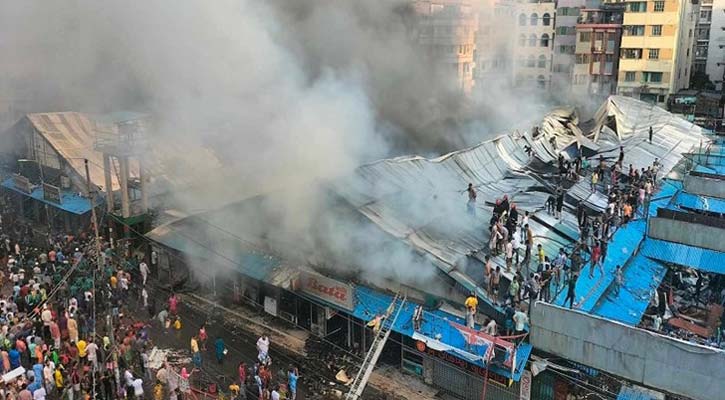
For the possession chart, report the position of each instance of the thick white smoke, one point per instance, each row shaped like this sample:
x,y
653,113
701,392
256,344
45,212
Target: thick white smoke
x,y
287,93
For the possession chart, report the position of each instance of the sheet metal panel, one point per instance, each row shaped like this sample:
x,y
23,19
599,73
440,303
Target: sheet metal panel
x,y
681,254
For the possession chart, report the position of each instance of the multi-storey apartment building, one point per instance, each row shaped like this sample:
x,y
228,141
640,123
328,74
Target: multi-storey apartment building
x,y
534,41
446,30
599,32
715,62
567,15
656,49
702,37
494,43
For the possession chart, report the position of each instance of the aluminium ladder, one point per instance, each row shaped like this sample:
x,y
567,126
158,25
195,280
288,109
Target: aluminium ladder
x,y
371,357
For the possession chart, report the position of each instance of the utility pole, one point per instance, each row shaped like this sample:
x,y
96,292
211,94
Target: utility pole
x,y
99,263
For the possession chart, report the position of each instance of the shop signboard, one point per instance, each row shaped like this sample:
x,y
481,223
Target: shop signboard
x,y
326,289
51,193
22,184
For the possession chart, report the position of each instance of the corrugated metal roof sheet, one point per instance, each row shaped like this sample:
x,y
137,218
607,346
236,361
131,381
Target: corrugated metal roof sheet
x,y
73,136
682,254
703,203
71,202
642,277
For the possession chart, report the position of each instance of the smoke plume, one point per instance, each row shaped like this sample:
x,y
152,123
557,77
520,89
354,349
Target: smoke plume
x,y
286,93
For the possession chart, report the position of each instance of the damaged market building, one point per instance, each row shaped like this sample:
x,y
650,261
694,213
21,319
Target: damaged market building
x,y
401,226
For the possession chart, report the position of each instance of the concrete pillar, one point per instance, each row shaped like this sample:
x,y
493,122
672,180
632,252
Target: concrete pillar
x,y
125,201
144,195
108,182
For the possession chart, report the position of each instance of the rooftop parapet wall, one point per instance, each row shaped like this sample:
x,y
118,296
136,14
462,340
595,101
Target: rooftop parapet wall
x,y
689,233
645,357
704,186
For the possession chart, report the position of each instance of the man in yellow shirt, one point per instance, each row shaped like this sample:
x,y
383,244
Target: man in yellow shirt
x,y
82,353
195,355
471,305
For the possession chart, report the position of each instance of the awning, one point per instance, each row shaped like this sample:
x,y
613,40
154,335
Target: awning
x,y
70,202
682,254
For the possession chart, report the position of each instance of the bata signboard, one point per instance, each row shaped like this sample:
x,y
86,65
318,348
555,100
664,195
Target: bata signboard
x,y
327,289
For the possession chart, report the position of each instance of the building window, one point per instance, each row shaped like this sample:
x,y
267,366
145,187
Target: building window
x,y
532,40
656,30
632,54
530,61
659,6
534,20
541,81
637,6
585,36
582,58
542,61
654,54
546,19
522,40
545,40
630,76
653,77
634,30
522,19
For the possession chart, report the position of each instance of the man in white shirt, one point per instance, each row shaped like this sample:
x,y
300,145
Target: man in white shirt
x,y
520,320
138,388
275,395
657,323
92,351
144,271
39,393
263,347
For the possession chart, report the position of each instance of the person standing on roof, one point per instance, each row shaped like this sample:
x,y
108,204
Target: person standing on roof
x,y
559,202
596,261
471,305
618,279
471,206
571,290
529,244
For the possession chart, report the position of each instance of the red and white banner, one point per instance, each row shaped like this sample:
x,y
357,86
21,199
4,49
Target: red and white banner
x,y
477,338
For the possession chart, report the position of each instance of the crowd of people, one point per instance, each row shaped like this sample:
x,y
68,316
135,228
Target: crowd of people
x,y
536,275
78,324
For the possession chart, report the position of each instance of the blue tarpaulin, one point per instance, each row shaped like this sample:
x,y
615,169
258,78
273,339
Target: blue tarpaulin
x,y
70,202
682,254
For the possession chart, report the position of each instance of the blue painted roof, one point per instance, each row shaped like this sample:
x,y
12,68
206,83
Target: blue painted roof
x,y
711,169
642,277
682,254
71,202
369,303
704,203
590,290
